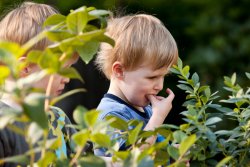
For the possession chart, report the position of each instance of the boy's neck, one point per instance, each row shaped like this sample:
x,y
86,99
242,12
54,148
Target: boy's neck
x,y
114,89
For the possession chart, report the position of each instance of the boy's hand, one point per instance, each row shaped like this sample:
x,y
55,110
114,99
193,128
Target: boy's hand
x,y
161,106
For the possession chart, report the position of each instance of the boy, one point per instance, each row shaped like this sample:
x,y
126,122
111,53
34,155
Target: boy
x,y
136,66
20,25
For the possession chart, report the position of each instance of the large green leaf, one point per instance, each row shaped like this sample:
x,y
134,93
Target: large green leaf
x,y
70,73
33,107
77,20
224,161
101,139
117,123
134,133
88,50
81,137
54,20
50,61
19,159
5,72
78,116
186,144
91,117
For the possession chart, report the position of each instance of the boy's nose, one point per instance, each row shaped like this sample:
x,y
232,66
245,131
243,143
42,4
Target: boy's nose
x,y
159,84
65,80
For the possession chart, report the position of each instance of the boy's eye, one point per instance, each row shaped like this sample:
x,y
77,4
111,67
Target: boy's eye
x,y
152,77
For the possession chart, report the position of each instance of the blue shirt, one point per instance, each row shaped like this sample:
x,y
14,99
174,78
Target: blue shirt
x,y
115,106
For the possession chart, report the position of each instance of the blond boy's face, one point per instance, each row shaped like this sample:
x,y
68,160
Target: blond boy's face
x,y
59,81
138,84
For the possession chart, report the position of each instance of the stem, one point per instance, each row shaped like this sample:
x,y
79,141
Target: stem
x,y
78,153
48,91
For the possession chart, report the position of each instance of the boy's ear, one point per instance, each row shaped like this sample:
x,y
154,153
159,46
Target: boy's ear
x,y
118,70
26,70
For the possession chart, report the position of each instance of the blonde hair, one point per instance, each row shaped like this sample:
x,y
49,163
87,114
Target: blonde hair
x,y
25,22
138,39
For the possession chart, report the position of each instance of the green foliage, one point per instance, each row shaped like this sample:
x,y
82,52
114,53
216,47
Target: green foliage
x,y
196,141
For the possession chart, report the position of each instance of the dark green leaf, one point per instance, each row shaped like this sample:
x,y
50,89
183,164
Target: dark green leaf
x,y
70,73
34,109
133,134
88,50
92,161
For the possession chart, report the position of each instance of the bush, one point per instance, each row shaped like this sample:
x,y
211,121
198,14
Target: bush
x,y
199,142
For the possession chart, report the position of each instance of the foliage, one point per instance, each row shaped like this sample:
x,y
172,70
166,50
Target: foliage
x,y
196,141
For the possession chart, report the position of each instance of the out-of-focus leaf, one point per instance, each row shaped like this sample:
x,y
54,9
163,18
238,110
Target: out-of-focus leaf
x,y
117,123
133,134
78,116
213,120
34,108
186,144
77,20
224,161
88,50
92,161
54,20
70,73
81,137
101,139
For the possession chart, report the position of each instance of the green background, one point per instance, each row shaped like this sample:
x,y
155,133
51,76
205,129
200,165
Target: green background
x,y
213,37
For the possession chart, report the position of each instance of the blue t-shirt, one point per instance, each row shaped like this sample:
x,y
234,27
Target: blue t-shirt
x,y
115,106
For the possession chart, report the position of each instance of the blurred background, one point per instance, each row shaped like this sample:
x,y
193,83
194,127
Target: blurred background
x,y
213,37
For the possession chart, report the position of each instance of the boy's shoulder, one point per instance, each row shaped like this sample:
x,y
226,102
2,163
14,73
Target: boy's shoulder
x,y
109,106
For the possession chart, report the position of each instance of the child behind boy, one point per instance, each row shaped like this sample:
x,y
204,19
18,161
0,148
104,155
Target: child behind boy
x,y
20,25
136,66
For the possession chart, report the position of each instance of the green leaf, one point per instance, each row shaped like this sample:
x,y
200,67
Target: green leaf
x,y
70,73
35,133
186,144
34,56
92,161
50,61
102,140
77,20
146,162
48,158
122,154
94,14
173,152
233,78
68,93
185,87
90,117
54,19
20,159
5,72
213,120
224,161
133,134
78,115
179,63
186,71
248,75
81,137
117,123
195,78
179,136
58,35
88,50
34,109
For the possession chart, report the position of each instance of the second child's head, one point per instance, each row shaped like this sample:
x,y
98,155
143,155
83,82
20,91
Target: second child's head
x,y
139,39
143,53
23,23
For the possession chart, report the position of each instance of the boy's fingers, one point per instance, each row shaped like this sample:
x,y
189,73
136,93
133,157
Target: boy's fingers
x,y
170,94
151,98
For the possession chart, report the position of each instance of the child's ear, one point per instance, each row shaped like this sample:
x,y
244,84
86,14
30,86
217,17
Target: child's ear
x,y
26,70
118,70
